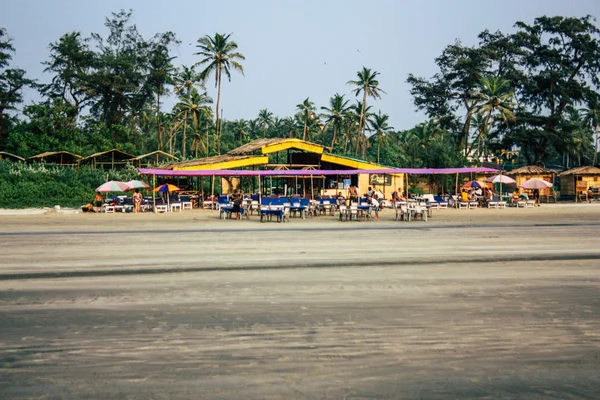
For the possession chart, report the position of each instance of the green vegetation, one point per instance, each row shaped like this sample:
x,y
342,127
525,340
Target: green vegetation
x,y
529,96
38,185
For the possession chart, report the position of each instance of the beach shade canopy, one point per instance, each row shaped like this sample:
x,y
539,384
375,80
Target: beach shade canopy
x,y
134,184
167,187
536,183
472,184
500,179
112,186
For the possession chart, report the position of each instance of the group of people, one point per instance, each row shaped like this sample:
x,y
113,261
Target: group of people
x,y
136,199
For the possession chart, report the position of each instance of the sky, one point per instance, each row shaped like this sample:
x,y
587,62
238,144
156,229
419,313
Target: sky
x,y
293,49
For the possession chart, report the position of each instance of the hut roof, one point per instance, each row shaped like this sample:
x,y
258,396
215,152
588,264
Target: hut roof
x,y
216,162
107,156
10,156
530,170
154,153
64,157
276,144
587,170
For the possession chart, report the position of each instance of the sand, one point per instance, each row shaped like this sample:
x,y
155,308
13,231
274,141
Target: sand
x,y
483,304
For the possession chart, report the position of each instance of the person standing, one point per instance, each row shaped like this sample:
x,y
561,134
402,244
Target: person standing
x,y
137,200
98,200
536,196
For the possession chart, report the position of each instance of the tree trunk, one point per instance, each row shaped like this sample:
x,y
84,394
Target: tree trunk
x,y
217,139
160,136
304,130
360,123
378,146
184,135
595,161
334,133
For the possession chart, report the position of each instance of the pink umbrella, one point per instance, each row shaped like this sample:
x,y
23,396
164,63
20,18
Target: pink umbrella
x,y
500,179
135,184
112,186
536,183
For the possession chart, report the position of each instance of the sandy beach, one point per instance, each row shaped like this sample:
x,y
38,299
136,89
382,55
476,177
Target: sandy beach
x,y
482,304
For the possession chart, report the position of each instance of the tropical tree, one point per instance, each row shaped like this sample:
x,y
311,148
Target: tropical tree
x,y
194,106
265,120
334,115
592,117
71,62
380,128
187,78
160,72
12,83
306,113
220,56
495,98
368,85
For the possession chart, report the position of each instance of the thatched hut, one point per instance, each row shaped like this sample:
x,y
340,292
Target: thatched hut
x,y
153,159
108,159
576,181
62,158
8,156
527,172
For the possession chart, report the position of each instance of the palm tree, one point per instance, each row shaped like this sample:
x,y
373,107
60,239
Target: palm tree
x,y
368,84
592,116
186,79
220,55
265,120
195,106
357,114
240,127
335,114
306,111
379,126
494,99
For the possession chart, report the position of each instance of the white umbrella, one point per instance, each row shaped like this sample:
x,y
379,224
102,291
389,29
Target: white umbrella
x,y
536,183
500,179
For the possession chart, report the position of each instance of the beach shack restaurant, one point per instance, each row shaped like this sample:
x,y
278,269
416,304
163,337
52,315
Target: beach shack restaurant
x,y
297,167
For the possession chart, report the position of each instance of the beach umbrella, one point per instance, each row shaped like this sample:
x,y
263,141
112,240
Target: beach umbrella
x,y
167,187
112,186
472,184
500,179
536,183
135,184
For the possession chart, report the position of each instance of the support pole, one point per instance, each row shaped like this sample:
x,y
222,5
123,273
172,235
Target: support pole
x,y
153,193
212,193
456,191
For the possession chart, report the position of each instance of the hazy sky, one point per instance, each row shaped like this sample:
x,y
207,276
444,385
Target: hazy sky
x,y
293,49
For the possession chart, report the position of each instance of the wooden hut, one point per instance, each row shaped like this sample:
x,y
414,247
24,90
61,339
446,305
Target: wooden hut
x,y
153,159
108,159
527,172
8,156
62,158
576,181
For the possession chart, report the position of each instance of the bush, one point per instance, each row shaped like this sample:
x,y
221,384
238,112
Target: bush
x,y
46,185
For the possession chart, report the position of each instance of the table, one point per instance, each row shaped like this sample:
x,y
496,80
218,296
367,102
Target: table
x,y
266,213
301,209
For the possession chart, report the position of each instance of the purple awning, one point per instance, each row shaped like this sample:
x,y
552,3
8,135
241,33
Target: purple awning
x,y
308,172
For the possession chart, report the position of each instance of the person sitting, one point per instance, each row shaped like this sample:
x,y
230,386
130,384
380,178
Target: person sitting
x,y
341,200
373,202
524,196
516,196
487,196
464,196
471,195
